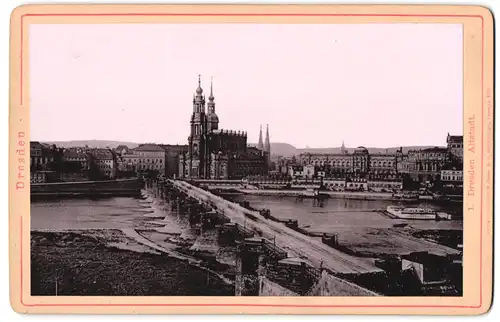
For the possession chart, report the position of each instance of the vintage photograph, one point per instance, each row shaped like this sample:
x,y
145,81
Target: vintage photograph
x,y
246,159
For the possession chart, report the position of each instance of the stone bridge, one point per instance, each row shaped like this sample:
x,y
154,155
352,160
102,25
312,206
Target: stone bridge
x,y
293,242
272,258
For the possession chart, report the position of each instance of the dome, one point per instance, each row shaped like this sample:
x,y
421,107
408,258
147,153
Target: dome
x,y
361,150
212,118
199,90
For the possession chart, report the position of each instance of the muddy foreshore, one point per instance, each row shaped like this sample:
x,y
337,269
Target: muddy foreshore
x,y
104,263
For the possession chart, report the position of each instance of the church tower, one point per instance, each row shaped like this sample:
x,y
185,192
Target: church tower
x,y
198,131
260,145
212,118
267,146
343,150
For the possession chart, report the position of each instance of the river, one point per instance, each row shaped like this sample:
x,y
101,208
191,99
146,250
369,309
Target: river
x,y
333,214
168,228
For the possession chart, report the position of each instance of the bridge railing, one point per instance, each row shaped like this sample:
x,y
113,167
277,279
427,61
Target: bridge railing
x,y
275,250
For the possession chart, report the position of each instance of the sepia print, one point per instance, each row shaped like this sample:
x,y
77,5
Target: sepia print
x,y
248,159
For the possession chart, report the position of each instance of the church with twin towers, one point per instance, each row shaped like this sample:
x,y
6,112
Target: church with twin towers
x,y
217,153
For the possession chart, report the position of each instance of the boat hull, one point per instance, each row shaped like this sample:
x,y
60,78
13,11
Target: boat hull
x,y
398,213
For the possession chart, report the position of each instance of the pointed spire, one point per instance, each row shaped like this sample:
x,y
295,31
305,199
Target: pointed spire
x,y
211,97
267,144
260,145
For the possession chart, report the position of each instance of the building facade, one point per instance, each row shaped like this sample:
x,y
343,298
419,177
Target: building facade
x,y
455,146
129,161
452,176
150,158
104,160
426,164
77,160
42,156
419,165
359,162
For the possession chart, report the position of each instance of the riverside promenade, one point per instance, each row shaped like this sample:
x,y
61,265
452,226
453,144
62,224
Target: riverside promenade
x,y
293,242
331,194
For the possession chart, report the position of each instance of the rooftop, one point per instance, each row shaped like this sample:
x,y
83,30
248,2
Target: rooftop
x,y
435,149
150,147
74,154
102,154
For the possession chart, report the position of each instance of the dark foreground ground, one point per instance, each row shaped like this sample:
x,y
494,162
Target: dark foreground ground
x,y
68,263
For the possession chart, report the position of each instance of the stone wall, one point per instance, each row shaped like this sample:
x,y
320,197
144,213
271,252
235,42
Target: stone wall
x,y
329,285
109,187
269,288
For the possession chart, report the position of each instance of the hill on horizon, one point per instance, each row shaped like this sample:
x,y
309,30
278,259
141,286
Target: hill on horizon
x,y
100,144
287,150
277,148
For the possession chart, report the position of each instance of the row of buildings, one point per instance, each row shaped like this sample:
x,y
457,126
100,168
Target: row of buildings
x,y
50,163
215,153
424,165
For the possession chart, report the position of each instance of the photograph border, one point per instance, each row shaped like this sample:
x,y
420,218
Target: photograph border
x,y
474,301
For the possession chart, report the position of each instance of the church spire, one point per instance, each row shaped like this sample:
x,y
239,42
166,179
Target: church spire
x,y
198,98
260,145
267,144
211,97
212,118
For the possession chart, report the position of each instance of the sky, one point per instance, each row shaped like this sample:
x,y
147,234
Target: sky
x,y
376,85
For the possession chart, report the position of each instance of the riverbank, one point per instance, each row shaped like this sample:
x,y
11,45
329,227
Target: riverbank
x,y
354,195
101,263
120,187
331,194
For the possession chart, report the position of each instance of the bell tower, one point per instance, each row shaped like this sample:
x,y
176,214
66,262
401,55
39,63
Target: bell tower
x,y
212,118
197,133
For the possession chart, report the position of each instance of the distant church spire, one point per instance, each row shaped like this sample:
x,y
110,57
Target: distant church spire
x,y
342,148
260,145
267,145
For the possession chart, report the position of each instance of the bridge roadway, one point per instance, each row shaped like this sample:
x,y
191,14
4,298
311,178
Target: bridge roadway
x,y
295,243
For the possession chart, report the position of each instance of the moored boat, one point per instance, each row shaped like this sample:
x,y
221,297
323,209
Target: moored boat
x,y
310,193
313,193
416,213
